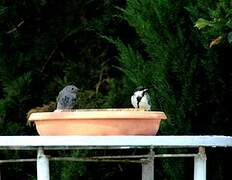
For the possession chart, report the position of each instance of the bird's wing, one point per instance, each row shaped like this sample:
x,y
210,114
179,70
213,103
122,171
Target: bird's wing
x,y
68,100
133,101
59,96
148,99
58,100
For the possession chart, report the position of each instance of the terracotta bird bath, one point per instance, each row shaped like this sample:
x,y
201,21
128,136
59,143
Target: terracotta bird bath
x,y
98,122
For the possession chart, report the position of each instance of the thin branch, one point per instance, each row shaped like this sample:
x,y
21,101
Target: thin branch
x,y
49,57
15,28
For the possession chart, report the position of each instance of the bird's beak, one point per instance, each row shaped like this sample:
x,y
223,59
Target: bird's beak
x,y
145,90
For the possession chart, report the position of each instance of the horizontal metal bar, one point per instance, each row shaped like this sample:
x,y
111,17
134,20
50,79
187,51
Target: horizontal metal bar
x,y
72,159
112,142
173,155
16,160
144,156
94,160
122,158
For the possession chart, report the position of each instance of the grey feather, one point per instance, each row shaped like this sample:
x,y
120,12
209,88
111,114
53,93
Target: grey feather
x,y
67,97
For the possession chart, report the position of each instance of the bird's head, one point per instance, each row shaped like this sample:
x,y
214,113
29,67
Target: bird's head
x,y
71,89
140,90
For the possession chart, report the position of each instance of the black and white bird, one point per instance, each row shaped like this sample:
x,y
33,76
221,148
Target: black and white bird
x,y
67,98
141,99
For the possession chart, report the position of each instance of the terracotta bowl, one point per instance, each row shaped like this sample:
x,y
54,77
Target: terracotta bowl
x,y
98,122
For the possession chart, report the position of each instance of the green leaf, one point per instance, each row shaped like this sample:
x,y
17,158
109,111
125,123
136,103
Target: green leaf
x,y
229,37
2,10
202,23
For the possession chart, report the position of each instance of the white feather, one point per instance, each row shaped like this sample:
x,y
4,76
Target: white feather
x,y
144,102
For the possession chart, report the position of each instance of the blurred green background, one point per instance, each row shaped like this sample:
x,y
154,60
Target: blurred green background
x,y
179,49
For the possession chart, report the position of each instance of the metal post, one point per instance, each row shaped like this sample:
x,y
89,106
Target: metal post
x,y
42,165
200,165
148,167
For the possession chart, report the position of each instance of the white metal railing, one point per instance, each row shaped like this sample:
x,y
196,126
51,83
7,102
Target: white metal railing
x,y
41,143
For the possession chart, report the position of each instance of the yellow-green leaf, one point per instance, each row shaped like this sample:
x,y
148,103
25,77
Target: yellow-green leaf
x,y
202,23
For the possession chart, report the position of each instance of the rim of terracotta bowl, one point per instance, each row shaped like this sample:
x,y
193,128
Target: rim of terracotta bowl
x,y
98,114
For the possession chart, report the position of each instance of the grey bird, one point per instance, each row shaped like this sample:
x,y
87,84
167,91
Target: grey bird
x,y
141,99
67,97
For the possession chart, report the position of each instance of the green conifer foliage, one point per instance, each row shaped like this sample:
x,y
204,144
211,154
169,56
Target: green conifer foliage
x,y
170,57
164,63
